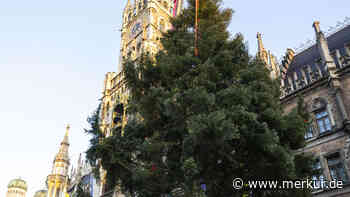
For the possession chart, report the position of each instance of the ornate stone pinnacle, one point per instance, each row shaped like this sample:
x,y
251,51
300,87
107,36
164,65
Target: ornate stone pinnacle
x,y
316,26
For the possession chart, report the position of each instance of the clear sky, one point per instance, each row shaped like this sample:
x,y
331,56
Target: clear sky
x,y
54,55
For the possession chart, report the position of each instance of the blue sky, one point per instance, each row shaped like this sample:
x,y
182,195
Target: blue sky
x,y
54,55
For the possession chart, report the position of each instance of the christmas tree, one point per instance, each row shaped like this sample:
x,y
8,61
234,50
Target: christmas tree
x,y
199,121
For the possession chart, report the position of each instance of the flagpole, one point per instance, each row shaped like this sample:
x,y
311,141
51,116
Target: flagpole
x,y
196,30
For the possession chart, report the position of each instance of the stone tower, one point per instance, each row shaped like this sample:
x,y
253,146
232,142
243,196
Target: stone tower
x,y
57,181
143,22
16,188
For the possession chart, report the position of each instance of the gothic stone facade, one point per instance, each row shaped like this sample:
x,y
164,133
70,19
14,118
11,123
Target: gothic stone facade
x,y
321,74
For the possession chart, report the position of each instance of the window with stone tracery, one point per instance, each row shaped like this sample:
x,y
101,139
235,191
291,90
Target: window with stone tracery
x,y
323,116
323,121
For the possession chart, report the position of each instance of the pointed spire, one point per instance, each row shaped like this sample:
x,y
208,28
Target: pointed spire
x,y
260,43
274,66
317,28
65,139
262,53
324,50
79,166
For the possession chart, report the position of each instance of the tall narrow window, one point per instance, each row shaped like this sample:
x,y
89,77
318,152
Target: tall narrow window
x,y
318,176
323,121
336,168
309,132
307,75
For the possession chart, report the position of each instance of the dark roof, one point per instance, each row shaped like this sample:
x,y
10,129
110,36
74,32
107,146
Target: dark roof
x,y
308,56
